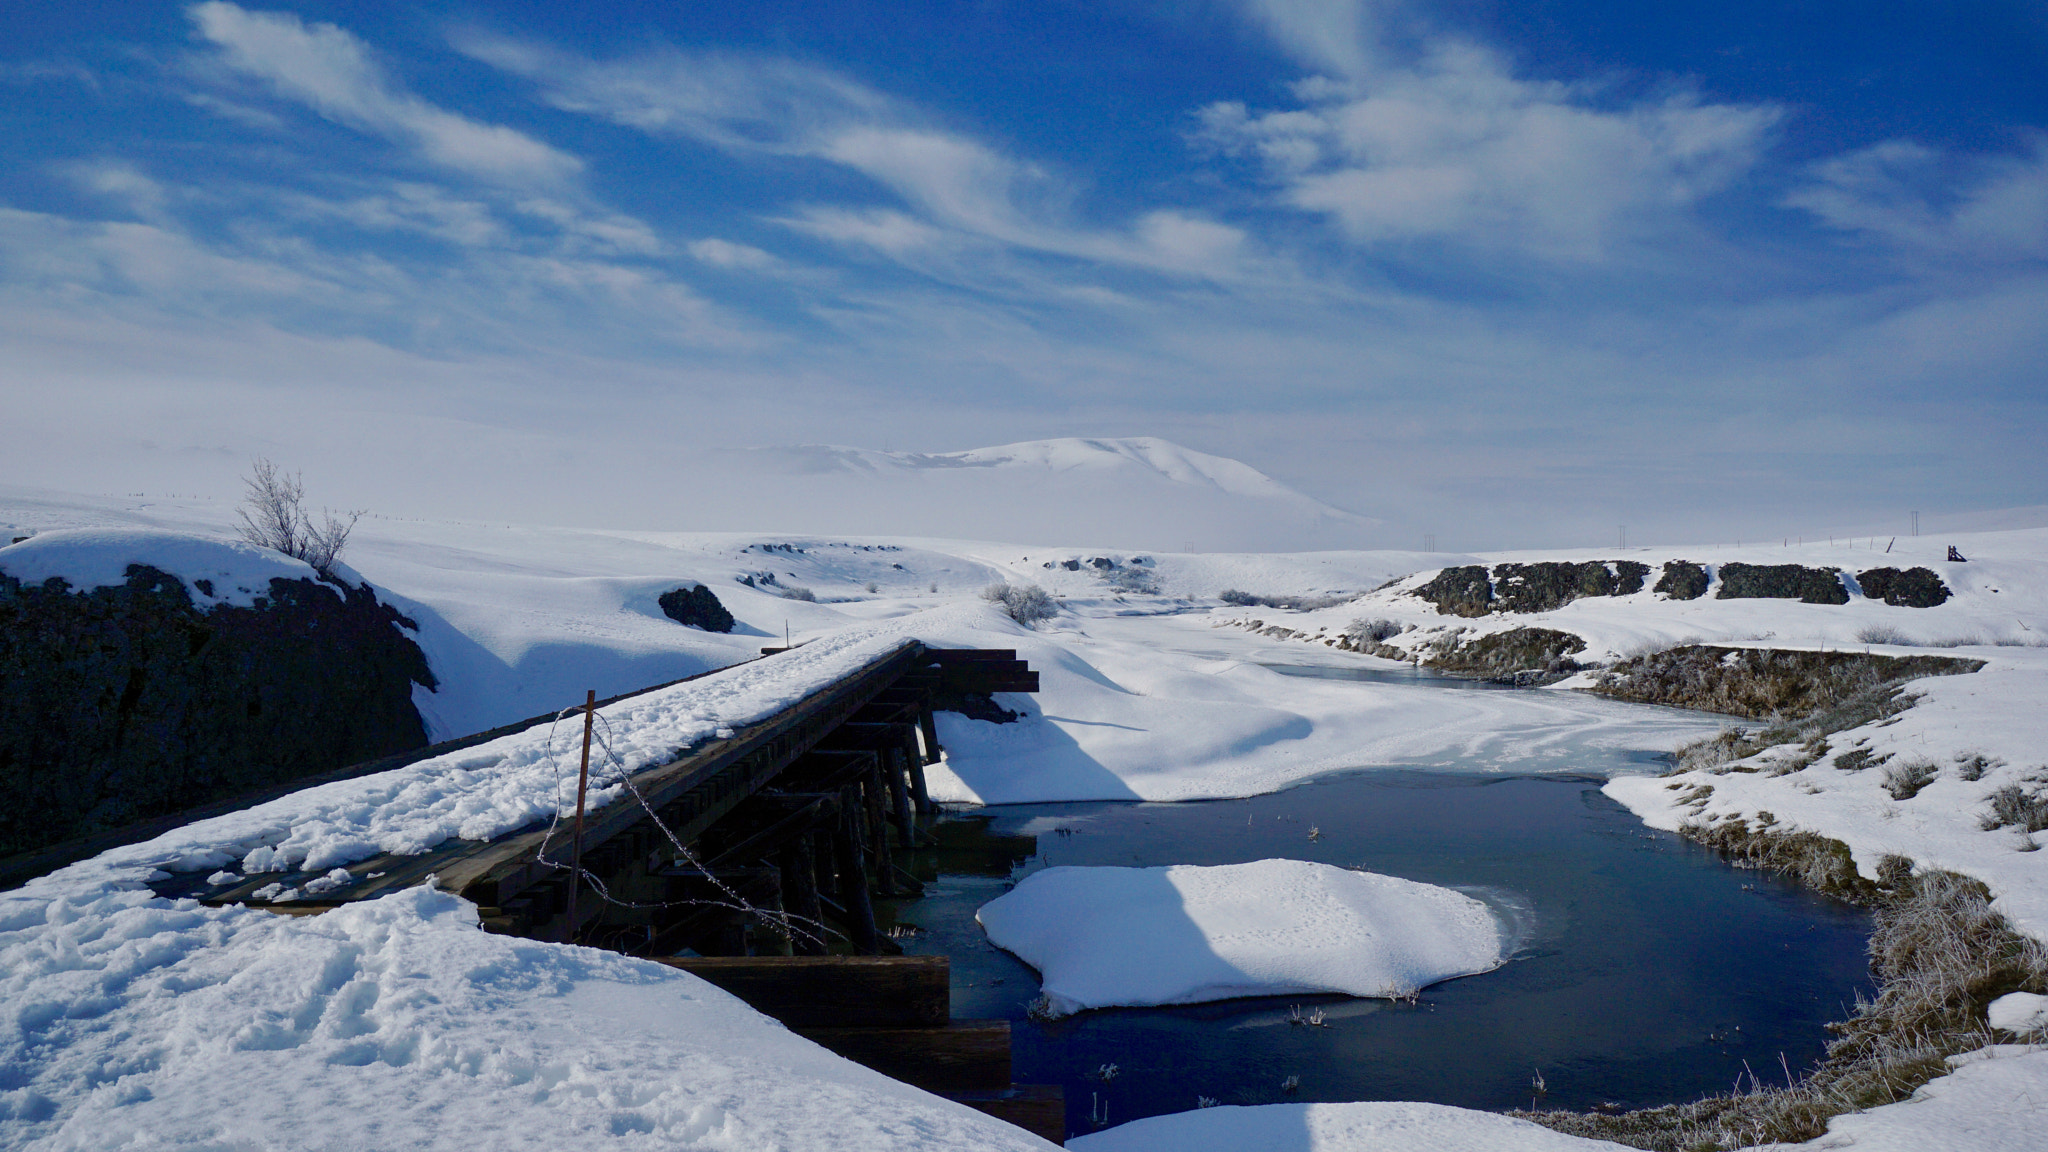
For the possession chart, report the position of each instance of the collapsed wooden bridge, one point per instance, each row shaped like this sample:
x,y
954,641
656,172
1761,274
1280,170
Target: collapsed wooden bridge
x,y
753,860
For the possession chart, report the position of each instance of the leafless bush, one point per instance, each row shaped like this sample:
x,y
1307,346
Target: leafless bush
x,y
1133,580
1372,631
274,516
1881,634
1027,604
798,592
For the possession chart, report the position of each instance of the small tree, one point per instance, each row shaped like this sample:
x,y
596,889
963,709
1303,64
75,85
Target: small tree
x,y
1027,604
274,516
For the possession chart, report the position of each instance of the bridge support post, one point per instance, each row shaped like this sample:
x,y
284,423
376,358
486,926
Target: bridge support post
x,y
853,882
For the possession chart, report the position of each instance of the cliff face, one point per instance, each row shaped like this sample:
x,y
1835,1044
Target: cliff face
x,y
129,701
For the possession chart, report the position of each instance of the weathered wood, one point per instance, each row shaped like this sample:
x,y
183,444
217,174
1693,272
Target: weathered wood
x,y
1040,1109
816,809
833,991
800,895
851,864
961,1055
895,763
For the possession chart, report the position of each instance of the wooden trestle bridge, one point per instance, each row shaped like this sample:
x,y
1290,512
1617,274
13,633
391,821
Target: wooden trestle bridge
x,y
796,822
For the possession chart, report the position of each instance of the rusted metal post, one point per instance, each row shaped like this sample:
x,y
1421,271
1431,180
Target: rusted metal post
x,y
582,789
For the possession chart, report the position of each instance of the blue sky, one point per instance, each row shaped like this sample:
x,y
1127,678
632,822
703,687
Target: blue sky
x,y
1510,273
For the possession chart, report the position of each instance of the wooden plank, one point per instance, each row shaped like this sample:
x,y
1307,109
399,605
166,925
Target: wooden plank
x,y
832,991
960,1055
1040,1109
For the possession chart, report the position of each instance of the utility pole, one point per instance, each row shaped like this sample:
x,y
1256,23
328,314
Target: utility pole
x,y
1624,538
1429,542
1916,523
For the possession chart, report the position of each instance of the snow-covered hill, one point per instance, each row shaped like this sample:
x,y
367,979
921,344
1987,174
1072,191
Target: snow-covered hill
x,y
1139,492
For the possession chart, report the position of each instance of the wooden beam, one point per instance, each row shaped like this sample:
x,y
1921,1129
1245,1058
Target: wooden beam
x,y
960,1055
833,991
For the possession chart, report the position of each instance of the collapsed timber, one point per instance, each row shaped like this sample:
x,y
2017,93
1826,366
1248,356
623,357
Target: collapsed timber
x,y
753,860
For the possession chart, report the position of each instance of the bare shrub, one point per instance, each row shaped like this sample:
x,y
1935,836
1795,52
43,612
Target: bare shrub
x,y
1904,780
274,516
1244,599
1136,581
798,592
1881,634
1372,631
1027,604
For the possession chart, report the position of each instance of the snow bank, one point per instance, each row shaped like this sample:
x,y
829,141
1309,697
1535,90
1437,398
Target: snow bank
x,y
1366,1127
1184,934
92,558
128,1021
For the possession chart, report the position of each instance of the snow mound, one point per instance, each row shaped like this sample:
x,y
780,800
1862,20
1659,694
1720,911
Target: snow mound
x,y
1184,934
92,558
1367,1127
128,1022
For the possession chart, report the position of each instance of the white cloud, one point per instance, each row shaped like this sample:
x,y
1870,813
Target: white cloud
x,y
1984,207
957,188
1455,147
332,72
122,182
726,254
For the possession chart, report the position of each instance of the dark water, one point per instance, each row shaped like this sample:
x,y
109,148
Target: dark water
x,y
1650,971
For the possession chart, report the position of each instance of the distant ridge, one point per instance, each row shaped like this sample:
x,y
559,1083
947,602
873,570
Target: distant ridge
x,y
1136,492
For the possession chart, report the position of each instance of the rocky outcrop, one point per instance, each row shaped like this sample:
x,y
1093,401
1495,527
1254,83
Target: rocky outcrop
x,y
1912,588
694,605
1519,655
1543,586
1782,582
1465,591
1682,580
1763,683
129,701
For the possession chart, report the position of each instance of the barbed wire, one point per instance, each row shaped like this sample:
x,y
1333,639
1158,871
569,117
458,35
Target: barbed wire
x,y
780,920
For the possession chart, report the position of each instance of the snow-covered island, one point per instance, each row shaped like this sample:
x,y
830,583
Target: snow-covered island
x,y
132,1020
1182,934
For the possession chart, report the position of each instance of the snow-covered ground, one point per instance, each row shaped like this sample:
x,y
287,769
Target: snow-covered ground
x,y
1184,934
399,1024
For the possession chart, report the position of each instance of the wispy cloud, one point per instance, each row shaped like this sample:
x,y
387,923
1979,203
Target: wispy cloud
x,y
1935,203
332,72
1439,140
948,185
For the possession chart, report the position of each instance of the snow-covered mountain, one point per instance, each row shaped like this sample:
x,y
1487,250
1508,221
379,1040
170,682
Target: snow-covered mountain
x,y
1140,491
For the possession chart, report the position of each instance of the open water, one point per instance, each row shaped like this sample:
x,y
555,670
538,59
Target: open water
x,y
1648,971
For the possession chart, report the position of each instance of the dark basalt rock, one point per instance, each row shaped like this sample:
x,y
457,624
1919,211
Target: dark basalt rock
x,y
1465,591
1782,582
130,702
1629,577
1549,585
695,606
1912,588
1523,655
1682,580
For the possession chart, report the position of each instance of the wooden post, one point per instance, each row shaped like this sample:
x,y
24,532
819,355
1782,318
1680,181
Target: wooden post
x,y
582,789
928,727
876,827
800,895
853,880
899,795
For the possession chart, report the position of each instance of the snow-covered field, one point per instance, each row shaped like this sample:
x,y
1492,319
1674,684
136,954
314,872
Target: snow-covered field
x,y
133,1021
